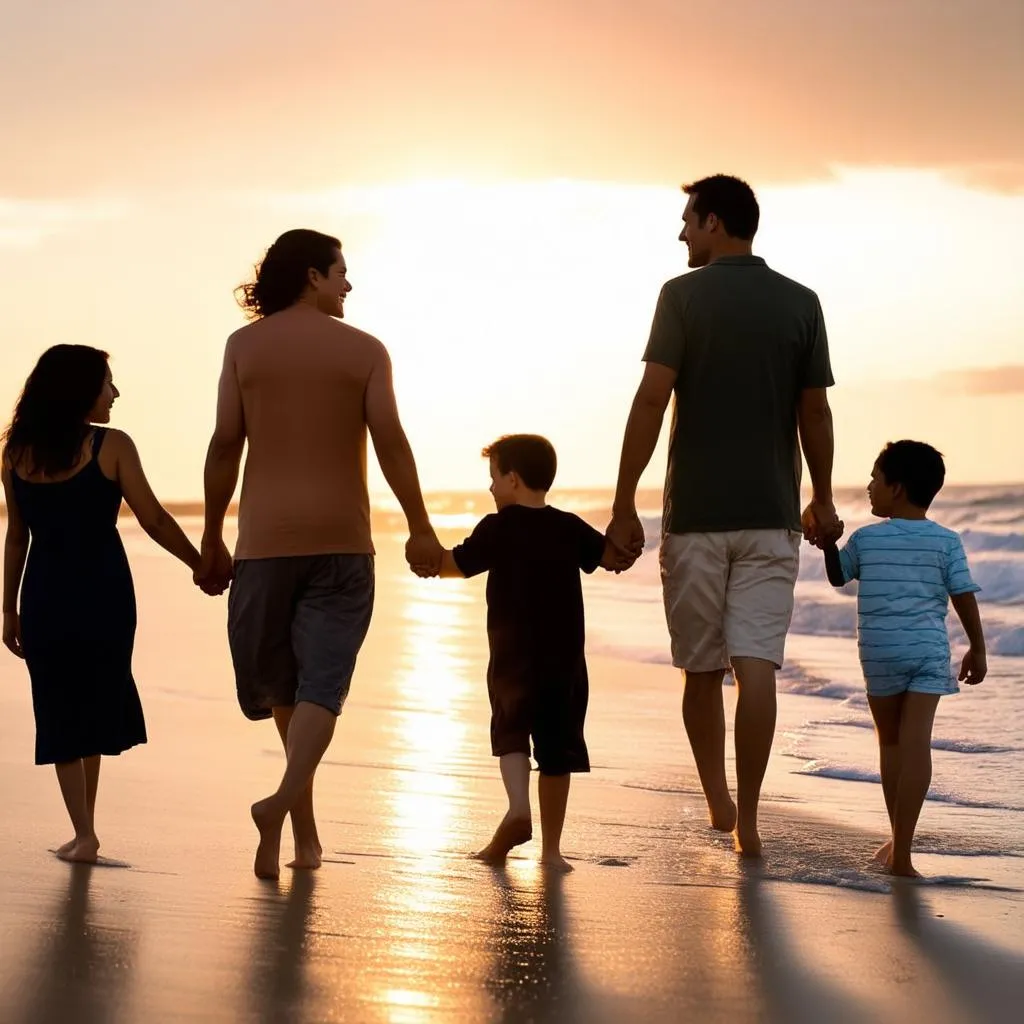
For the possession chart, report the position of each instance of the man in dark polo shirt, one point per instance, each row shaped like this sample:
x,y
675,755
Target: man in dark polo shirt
x,y
744,351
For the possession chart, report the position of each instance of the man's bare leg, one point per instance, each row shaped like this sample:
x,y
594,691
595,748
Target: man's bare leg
x,y
755,732
553,791
886,712
308,851
309,735
915,775
704,719
71,778
516,827
91,766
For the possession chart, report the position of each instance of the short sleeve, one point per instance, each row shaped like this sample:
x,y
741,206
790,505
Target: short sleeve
x,y
478,552
589,545
665,344
849,559
816,369
956,573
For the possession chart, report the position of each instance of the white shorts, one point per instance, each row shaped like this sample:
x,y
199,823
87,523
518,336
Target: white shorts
x,y
728,595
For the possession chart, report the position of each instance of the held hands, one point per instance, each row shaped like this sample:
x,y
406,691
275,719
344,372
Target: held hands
x,y
423,552
972,671
216,568
12,634
821,524
626,536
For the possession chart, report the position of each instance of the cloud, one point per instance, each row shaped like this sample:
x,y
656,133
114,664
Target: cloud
x,y
26,222
994,380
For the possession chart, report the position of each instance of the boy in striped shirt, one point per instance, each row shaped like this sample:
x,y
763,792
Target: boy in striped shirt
x,y
908,569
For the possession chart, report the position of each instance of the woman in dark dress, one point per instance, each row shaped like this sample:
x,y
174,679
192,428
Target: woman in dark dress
x,y
63,481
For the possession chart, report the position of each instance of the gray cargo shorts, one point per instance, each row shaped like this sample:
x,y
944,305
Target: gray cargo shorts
x,y
295,627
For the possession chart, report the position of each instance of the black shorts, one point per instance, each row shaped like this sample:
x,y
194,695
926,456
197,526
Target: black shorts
x,y
295,627
552,714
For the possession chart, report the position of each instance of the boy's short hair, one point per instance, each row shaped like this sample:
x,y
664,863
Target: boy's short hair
x,y
530,455
917,466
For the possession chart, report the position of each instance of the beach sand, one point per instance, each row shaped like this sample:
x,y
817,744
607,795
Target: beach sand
x,y
660,921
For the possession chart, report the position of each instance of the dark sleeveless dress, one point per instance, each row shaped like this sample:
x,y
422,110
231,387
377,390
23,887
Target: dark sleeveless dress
x,y
78,617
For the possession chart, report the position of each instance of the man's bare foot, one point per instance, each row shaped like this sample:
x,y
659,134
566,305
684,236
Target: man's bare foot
x,y
82,851
268,854
556,862
61,850
747,842
883,855
511,832
722,815
308,857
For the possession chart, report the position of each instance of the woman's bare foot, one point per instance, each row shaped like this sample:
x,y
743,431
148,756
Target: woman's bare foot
x,y
308,857
82,851
722,815
747,842
556,862
511,832
903,868
268,854
883,855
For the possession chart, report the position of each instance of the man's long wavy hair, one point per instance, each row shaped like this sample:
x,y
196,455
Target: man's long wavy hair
x,y
282,275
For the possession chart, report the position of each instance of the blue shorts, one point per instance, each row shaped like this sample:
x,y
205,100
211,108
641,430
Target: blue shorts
x,y
295,627
887,679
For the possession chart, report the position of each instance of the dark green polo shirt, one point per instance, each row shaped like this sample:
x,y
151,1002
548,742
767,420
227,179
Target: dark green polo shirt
x,y
745,342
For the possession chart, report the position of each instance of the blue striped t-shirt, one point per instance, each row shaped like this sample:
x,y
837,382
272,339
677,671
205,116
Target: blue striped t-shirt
x,y
907,569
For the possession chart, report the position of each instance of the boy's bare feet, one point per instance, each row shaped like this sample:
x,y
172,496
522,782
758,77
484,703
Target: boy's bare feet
x,y
511,832
883,855
268,853
83,851
747,842
903,868
723,816
556,862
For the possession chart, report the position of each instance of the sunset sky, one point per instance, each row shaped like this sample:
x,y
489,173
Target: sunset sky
x,y
505,178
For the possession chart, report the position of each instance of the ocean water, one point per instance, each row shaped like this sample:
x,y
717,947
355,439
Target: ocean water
x,y
826,754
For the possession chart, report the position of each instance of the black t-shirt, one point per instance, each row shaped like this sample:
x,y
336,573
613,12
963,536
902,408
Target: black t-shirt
x,y
534,599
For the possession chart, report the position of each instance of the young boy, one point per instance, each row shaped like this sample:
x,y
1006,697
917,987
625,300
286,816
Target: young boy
x,y
537,675
907,567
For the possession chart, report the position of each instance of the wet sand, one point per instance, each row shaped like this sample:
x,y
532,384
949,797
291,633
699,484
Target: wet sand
x,y
659,921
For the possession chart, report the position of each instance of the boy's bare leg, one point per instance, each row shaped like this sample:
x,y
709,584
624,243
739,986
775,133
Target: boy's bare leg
x,y
71,778
553,791
516,827
309,735
308,851
755,732
915,775
704,719
886,712
91,766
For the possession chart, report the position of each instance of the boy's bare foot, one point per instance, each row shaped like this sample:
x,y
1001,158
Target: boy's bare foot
x,y
268,853
511,832
556,862
723,816
747,842
83,851
883,855
308,857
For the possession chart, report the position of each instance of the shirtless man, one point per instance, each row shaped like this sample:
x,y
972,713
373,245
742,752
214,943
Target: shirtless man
x,y
302,389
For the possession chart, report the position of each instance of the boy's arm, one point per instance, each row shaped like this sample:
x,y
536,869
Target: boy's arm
x,y
975,663
833,566
449,567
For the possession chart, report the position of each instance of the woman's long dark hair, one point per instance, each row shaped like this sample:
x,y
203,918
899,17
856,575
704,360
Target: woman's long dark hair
x,y
50,419
282,276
